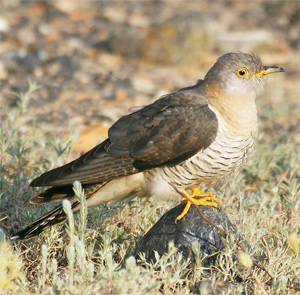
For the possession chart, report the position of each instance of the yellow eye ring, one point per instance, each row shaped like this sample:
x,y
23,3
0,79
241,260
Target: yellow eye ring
x,y
242,72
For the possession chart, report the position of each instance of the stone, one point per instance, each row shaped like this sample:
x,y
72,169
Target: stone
x,y
190,229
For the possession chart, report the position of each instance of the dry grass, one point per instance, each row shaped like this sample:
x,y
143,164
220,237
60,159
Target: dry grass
x,y
95,258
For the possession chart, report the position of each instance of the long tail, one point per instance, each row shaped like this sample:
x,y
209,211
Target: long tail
x,y
96,194
56,215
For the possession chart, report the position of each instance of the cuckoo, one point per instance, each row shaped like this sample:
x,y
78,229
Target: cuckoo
x,y
191,140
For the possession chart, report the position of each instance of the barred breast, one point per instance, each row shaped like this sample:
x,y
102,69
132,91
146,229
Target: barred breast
x,y
206,169
213,165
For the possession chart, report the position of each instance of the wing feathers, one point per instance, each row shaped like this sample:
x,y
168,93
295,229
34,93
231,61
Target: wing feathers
x,y
168,131
96,166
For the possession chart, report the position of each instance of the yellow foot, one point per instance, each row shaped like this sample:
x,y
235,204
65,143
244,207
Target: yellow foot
x,y
207,199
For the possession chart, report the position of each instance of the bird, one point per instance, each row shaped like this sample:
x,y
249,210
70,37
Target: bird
x,y
189,141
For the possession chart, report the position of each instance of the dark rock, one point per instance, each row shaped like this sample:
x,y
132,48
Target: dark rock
x,y
28,61
66,66
190,229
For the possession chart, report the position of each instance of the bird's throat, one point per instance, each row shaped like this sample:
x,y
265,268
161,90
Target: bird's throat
x,y
236,114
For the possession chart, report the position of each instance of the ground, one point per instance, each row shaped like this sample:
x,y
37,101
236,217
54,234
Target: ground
x,y
95,60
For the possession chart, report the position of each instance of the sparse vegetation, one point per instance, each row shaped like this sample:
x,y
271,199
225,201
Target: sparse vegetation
x,y
95,257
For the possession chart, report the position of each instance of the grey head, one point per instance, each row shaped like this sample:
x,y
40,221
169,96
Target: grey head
x,y
239,73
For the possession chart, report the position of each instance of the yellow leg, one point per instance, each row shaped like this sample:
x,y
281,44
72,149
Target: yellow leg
x,y
207,199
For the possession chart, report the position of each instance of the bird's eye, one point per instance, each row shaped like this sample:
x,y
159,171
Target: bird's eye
x,y
242,72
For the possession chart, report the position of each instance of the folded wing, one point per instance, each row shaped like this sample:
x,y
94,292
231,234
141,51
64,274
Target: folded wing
x,y
169,131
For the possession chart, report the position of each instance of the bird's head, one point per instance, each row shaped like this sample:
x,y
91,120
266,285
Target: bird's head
x,y
239,74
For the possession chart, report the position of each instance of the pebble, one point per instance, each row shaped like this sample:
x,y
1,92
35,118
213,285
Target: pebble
x,y
4,26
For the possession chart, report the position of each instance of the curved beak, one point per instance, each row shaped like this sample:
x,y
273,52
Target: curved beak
x,y
266,70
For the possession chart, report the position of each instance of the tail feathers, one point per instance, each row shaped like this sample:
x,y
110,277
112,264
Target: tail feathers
x,y
55,216
53,194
